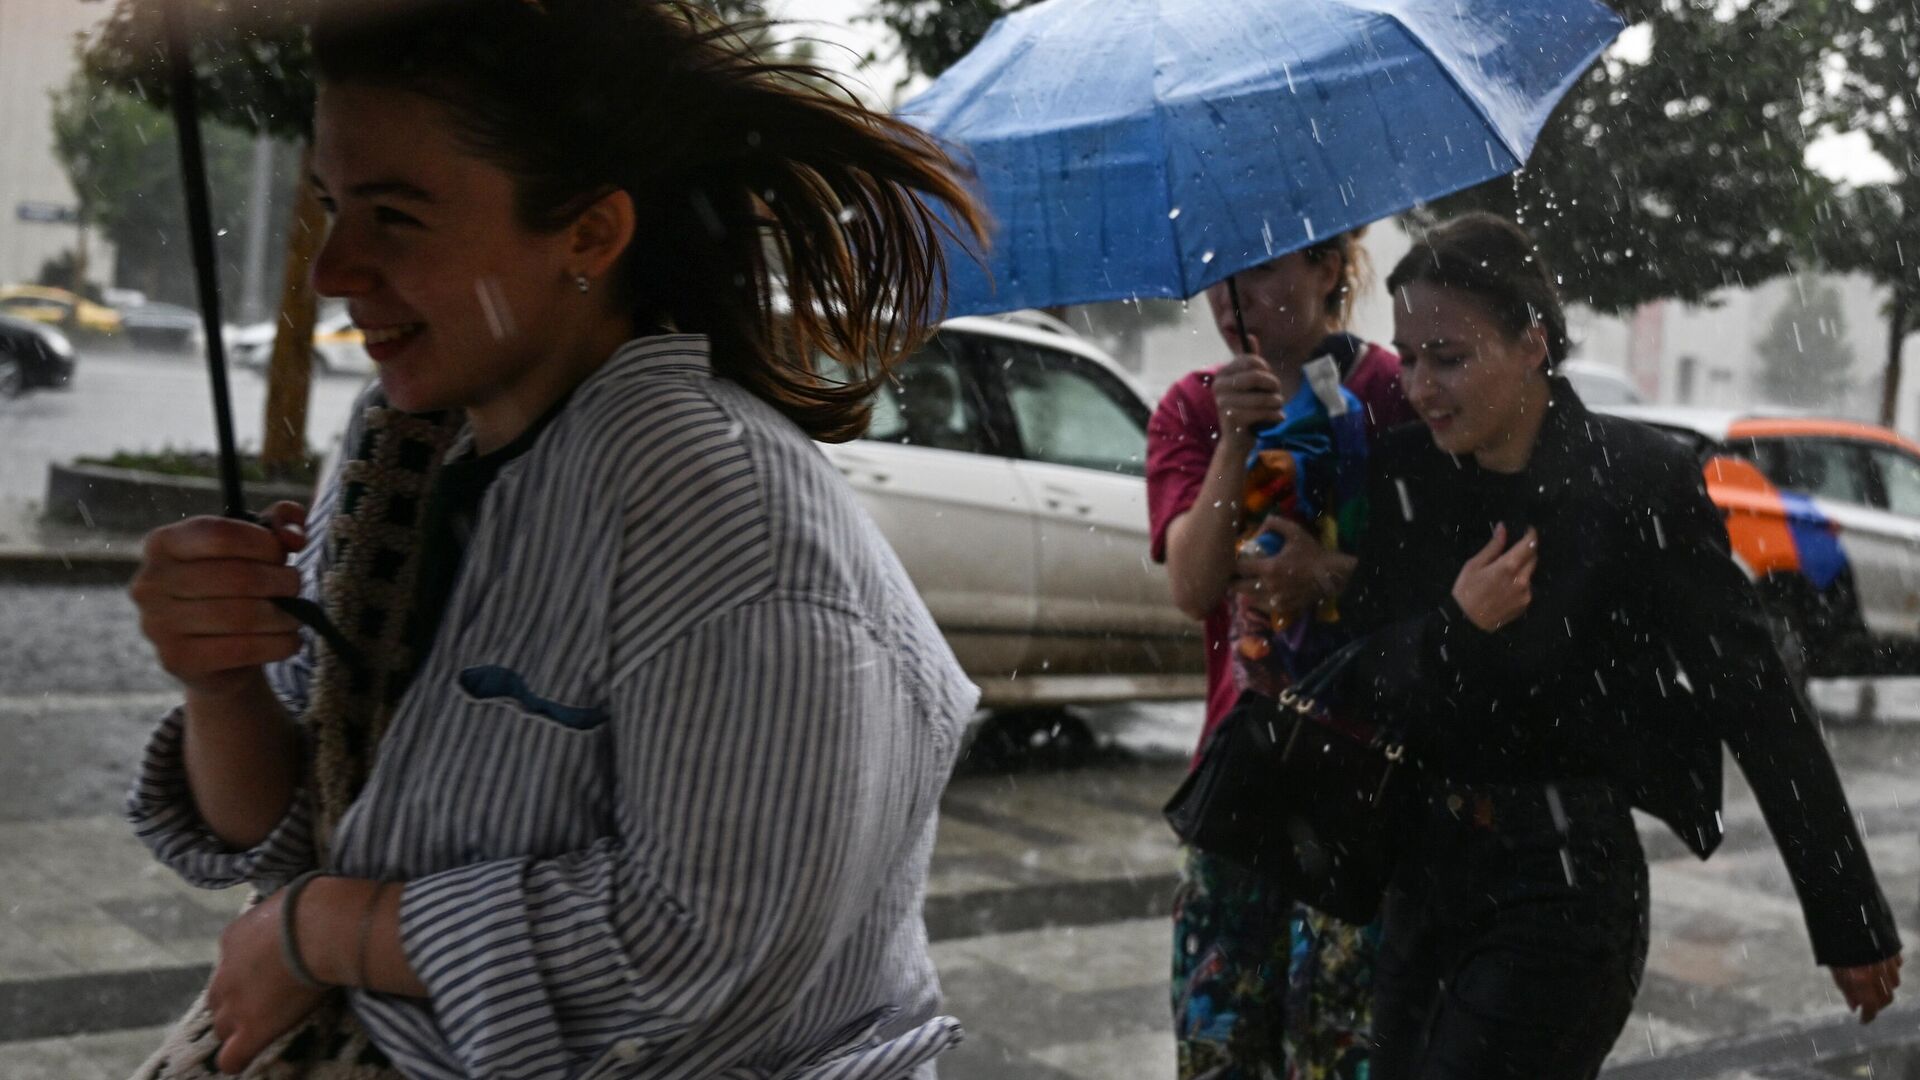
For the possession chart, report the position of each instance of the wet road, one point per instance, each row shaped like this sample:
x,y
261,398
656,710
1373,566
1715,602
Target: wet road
x,y
124,400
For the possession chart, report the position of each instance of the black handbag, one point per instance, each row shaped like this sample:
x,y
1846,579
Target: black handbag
x,y
1282,789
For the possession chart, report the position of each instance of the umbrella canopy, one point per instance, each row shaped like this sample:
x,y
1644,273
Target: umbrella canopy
x,y
1149,148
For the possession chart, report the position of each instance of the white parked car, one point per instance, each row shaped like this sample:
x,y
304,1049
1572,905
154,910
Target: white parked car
x,y
1599,385
338,346
1006,465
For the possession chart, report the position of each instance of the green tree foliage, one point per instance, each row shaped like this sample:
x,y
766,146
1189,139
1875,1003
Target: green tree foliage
x,y
1683,174
935,33
1872,74
119,154
252,65
1805,358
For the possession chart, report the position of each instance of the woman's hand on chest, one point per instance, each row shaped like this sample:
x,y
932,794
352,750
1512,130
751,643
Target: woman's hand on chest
x,y
1495,586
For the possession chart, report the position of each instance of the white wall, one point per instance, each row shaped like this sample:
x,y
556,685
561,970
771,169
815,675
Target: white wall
x,y
36,57
1654,344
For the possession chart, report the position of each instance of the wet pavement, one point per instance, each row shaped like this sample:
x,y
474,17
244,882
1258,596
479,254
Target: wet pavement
x,y
1050,882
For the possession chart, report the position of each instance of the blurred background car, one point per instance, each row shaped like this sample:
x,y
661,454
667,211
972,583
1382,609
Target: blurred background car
x,y
1824,515
338,346
58,307
33,356
162,326
1006,465
1599,385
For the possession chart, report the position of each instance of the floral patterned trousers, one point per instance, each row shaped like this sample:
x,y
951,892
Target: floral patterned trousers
x,y
1265,988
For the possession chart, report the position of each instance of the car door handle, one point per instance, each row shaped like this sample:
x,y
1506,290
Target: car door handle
x,y
862,474
859,468
1061,502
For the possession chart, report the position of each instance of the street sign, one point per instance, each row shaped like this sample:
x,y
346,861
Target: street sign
x,y
47,212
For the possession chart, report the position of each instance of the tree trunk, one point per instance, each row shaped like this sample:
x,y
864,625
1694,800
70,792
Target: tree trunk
x,y
80,256
283,443
1897,316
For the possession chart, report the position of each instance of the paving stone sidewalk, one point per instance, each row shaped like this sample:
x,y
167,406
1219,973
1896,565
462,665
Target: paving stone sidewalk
x,y
1047,906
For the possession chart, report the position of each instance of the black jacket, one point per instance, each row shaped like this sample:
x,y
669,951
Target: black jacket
x,y
1644,650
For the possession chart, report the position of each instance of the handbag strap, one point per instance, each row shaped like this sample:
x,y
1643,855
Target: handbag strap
x,y
1309,687
1306,695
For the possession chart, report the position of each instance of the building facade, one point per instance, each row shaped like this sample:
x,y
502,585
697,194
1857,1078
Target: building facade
x,y
37,41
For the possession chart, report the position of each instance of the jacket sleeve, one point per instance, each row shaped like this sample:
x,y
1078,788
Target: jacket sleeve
x,y
1419,651
1720,635
773,780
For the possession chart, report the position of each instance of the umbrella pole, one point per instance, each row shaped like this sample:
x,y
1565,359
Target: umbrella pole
x,y
1239,322
193,177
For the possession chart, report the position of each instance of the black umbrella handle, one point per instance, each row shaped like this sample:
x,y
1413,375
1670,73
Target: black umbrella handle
x,y
313,616
1239,322
193,179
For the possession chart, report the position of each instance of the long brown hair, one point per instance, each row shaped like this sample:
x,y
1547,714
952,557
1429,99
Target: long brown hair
x,y
777,216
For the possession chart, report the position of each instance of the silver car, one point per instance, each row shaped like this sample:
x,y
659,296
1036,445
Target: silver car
x,y
1006,465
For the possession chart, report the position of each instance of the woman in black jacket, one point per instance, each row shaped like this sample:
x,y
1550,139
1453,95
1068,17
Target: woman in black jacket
x,y
1558,622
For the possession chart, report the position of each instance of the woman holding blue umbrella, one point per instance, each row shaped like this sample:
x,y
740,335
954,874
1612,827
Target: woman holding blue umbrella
x,y
1262,986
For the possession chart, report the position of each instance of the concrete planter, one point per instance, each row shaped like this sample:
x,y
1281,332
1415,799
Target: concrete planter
x,y
127,500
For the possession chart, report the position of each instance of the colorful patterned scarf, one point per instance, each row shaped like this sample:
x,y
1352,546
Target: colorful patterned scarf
x,y
1310,468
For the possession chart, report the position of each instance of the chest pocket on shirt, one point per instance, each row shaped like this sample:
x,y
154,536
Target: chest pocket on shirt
x,y
491,682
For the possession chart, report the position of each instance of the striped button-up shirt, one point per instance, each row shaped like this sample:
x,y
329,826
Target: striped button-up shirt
x,y
664,791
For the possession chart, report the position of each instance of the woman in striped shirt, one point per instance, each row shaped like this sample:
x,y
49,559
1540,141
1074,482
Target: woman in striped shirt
x,y
655,792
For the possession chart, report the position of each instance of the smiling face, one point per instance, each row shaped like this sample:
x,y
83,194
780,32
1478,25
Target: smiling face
x,y
462,305
1480,389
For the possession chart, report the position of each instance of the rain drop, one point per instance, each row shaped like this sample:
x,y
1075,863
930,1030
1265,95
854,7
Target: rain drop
x,y
1173,214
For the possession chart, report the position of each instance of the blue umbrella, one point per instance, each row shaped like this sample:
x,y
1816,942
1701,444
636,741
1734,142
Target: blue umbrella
x,y
1149,148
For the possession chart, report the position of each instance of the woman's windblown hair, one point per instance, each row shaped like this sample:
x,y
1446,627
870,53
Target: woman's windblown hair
x,y
775,214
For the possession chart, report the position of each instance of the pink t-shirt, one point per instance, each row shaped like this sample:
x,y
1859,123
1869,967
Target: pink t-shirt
x,y
1180,444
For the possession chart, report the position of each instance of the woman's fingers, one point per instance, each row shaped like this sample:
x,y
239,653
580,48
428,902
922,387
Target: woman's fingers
x,y
1290,531
1495,586
288,523
237,1052
219,617
204,592
1495,545
1868,987
1247,394
215,538
1524,550
208,579
190,658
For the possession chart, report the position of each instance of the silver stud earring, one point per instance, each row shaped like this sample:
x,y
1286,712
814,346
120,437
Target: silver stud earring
x,y
580,282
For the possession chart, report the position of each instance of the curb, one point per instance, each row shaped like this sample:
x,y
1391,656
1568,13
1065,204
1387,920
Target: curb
x,y
75,566
132,500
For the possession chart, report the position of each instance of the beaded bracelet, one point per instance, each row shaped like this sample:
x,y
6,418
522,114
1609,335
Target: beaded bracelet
x,y
289,945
